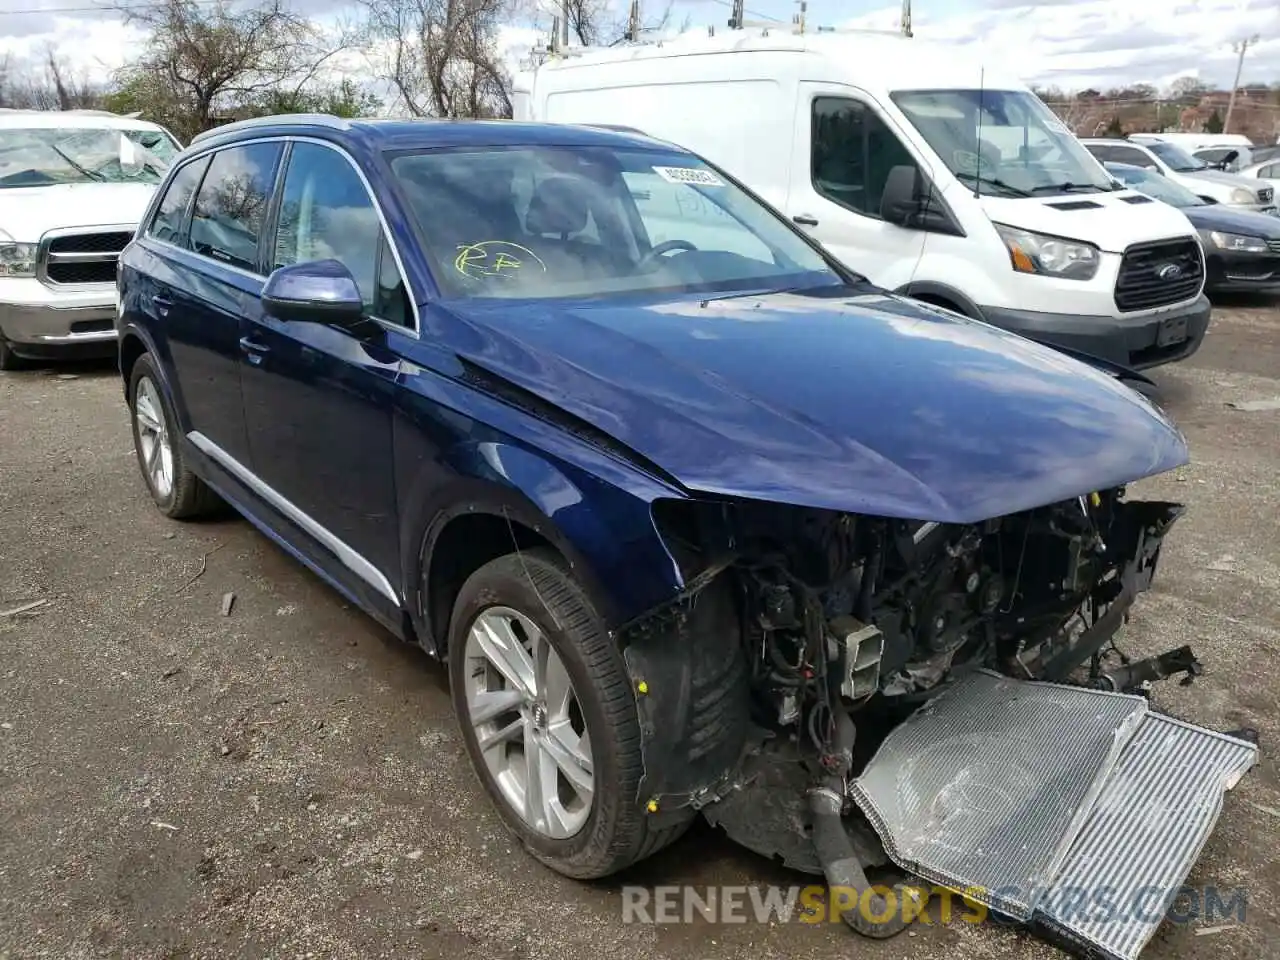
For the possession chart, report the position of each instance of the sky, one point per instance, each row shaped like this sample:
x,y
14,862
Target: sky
x,y
1070,44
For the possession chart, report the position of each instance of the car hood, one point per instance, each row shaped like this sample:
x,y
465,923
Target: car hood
x,y
28,212
1226,178
839,399
1215,216
1107,220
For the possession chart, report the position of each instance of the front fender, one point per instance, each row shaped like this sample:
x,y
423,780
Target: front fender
x,y
607,534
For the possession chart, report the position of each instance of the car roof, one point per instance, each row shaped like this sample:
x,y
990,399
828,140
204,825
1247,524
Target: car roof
x,y
71,119
1113,142
420,133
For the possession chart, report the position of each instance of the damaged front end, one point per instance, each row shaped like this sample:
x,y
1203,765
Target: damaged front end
x,y
804,637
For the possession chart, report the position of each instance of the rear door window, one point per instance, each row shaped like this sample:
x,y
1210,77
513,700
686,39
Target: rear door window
x,y
226,224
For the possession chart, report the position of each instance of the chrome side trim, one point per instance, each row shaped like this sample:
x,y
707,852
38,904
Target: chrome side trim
x,y
353,561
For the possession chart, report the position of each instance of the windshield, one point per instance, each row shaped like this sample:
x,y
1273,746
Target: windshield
x,y
1176,159
1013,146
546,222
44,155
1156,186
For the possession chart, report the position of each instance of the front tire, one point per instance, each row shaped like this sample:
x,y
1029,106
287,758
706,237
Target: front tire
x,y
543,699
178,492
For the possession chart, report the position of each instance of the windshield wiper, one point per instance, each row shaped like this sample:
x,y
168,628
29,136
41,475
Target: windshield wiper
x,y
993,182
1069,188
92,175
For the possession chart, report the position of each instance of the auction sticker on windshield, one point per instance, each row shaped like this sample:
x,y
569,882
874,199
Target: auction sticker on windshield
x,y
701,178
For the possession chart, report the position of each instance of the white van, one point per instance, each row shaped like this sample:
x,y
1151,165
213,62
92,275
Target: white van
x,y
875,145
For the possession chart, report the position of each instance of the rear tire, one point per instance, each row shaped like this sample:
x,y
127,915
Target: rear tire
x,y
178,492
530,598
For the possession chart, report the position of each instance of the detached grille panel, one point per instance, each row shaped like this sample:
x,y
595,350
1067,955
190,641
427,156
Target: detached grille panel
x,y
1160,273
89,257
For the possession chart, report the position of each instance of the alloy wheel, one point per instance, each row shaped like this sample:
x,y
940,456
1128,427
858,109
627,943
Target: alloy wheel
x,y
153,438
528,722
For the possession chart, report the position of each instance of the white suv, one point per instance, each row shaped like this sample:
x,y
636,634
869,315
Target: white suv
x,y
1170,160
73,186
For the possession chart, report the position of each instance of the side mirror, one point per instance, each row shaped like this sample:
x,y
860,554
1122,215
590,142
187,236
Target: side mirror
x,y
318,291
900,201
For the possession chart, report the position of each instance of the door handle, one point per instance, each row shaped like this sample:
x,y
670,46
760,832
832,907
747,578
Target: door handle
x,y
162,305
253,350
805,220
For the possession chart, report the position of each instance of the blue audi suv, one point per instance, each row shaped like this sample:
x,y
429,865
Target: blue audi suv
x,y
668,487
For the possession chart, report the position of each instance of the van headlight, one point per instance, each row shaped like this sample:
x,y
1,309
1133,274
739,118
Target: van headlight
x,y
1237,242
1049,256
1241,195
16,259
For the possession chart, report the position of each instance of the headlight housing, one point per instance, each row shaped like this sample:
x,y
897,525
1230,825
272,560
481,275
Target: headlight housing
x,y
1235,242
1040,253
1242,195
16,259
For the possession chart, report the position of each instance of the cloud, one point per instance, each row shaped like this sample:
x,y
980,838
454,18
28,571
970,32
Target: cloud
x,y
1108,43
1066,43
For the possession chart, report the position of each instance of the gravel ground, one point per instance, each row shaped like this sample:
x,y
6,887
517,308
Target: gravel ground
x,y
286,781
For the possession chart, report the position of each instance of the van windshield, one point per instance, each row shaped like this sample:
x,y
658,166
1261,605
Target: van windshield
x,y
1002,142
546,222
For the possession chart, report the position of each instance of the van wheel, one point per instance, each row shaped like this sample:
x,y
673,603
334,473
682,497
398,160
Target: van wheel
x,y
549,718
178,492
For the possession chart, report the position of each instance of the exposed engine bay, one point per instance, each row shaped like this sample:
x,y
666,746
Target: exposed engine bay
x,y
841,611
802,634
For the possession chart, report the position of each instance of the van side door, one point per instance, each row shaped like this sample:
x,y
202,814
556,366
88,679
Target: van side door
x,y
843,152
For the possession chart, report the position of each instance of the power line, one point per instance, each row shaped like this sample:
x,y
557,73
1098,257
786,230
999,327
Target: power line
x,y
98,8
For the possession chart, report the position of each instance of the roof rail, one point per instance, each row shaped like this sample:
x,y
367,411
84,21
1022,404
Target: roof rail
x,y
312,119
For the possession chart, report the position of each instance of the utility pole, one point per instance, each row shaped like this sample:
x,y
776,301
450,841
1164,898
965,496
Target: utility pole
x,y
738,15
906,18
564,24
800,17
1239,48
633,21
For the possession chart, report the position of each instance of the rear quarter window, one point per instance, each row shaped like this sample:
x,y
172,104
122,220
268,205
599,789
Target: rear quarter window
x,y
167,224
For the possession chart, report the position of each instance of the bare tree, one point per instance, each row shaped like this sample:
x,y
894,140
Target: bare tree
x,y
52,85
440,56
596,22
203,58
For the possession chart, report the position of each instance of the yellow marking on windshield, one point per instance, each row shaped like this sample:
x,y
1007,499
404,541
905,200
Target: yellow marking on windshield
x,y
494,258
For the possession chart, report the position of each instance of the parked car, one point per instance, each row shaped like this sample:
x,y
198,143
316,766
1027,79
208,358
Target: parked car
x,y
876,146
1266,169
1242,248
477,378
1230,159
72,187
1221,151
1171,161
